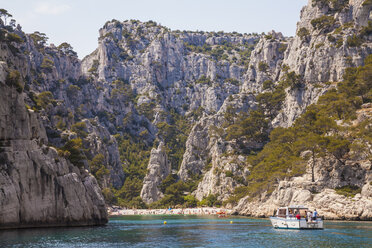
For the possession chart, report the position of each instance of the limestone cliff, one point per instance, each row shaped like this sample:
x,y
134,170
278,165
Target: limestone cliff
x,y
158,169
191,92
38,187
215,75
330,175
318,54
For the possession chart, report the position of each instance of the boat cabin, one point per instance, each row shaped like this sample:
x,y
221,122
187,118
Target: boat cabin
x,y
291,211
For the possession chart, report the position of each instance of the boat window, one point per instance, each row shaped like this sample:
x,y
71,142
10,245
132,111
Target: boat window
x,y
302,212
294,210
291,211
282,212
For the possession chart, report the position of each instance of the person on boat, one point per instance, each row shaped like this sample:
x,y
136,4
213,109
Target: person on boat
x,y
298,216
290,213
309,214
315,213
305,216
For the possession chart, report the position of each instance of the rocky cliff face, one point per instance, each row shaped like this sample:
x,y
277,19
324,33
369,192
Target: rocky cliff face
x,y
320,194
158,169
38,186
164,66
323,40
318,55
216,74
188,91
324,192
190,73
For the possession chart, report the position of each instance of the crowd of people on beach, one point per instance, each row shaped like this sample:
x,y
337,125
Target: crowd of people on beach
x,y
178,211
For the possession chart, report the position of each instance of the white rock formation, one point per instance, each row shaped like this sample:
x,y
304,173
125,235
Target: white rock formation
x,y
157,170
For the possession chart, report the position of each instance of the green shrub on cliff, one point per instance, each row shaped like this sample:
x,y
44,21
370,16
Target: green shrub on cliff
x,y
13,79
303,33
354,41
66,49
79,129
271,102
39,39
73,91
147,109
232,81
174,135
43,99
210,201
262,66
130,190
96,163
47,64
168,181
73,151
190,201
253,127
348,191
203,80
109,196
323,23
135,155
94,67
12,37
336,5
268,84
282,48
293,80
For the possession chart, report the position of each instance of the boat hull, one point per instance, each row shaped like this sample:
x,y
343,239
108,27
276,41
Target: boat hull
x,y
292,223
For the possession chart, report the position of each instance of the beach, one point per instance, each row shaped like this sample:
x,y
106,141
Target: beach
x,y
117,211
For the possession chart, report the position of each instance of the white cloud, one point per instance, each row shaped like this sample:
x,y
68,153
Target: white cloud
x,y
47,8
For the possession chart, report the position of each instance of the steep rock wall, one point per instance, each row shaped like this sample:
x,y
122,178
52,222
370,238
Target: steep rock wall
x,y
37,187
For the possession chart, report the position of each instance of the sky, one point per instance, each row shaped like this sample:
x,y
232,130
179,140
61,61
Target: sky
x,y
78,21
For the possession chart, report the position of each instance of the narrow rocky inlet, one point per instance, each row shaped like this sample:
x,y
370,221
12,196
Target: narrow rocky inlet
x,y
158,118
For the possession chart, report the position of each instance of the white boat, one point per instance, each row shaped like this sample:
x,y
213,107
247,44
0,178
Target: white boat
x,y
285,218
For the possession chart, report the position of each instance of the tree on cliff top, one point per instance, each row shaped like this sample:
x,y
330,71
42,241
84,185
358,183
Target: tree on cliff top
x,y
4,14
67,49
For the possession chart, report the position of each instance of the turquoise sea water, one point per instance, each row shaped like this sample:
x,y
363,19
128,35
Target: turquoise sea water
x,y
186,231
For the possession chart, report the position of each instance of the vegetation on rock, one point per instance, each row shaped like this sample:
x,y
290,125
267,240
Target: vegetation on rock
x,y
317,132
348,191
146,98
13,79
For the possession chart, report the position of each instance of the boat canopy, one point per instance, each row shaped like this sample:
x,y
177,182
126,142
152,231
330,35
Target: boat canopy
x,y
298,207
291,211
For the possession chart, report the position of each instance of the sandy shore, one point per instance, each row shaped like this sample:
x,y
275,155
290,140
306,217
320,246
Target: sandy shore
x,y
115,211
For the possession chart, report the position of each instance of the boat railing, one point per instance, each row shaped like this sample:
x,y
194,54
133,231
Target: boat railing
x,y
291,217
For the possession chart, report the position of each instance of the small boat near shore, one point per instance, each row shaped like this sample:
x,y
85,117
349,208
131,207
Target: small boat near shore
x,y
295,217
221,214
